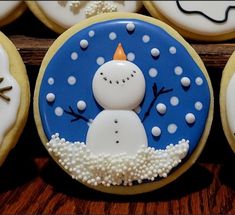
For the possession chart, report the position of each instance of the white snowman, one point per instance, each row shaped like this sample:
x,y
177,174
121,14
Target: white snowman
x,y
119,87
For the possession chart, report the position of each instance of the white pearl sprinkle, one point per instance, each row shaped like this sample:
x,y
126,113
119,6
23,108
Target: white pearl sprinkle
x,y
112,36
178,70
198,106
131,56
84,44
130,27
74,56
190,118
156,131
81,105
161,108
146,38
198,81
155,52
120,169
174,101
185,82
172,128
91,33
59,111
153,72
50,97
172,50
72,80
100,61
50,81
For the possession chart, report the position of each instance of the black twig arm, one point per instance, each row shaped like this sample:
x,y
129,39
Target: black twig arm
x,y
156,94
75,115
3,90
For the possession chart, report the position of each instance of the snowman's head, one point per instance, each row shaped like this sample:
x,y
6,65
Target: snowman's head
x,y
119,84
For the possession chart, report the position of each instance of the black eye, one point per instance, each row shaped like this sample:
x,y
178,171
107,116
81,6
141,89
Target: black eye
x,y
101,73
134,71
117,82
123,80
132,75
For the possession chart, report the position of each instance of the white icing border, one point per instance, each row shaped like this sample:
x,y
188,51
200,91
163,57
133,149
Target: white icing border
x,y
119,169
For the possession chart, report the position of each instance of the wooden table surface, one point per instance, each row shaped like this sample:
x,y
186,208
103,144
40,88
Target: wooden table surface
x,y
31,183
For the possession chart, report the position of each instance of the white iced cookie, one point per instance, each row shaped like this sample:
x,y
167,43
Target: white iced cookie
x,y
61,15
200,20
14,96
10,10
227,101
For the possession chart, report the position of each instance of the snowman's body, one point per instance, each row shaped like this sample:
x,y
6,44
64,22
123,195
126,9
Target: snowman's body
x,y
115,132
119,87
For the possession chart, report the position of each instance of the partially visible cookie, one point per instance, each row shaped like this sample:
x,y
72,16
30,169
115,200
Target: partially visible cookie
x,y
10,10
14,96
61,15
199,20
227,101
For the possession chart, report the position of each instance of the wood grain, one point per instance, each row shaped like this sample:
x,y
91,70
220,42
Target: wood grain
x,y
33,50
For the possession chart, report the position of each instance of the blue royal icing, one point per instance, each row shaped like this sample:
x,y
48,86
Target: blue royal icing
x,y
69,74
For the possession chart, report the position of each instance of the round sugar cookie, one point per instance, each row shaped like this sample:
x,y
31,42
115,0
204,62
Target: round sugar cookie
x,y
14,96
61,15
122,103
198,20
227,101
10,10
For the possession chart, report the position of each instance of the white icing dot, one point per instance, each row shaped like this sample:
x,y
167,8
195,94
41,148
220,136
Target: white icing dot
x,y
185,81
161,108
84,44
155,52
112,36
131,56
153,72
198,106
91,33
172,50
190,118
138,109
100,61
74,56
178,70
81,105
145,38
50,97
174,101
72,80
156,131
172,128
130,27
51,81
198,81
59,111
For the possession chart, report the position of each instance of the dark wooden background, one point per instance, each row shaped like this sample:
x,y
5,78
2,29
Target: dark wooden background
x,y
31,182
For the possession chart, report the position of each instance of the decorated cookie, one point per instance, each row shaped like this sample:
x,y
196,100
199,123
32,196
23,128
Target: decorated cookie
x,y
122,103
227,101
10,10
200,20
61,15
14,96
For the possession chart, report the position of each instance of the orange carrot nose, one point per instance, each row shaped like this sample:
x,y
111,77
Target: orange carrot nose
x,y
119,53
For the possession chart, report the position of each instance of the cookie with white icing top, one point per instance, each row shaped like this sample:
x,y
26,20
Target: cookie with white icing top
x,y
227,101
14,96
199,20
61,15
10,10
122,103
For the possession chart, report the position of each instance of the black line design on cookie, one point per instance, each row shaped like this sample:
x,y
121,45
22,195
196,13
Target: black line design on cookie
x,y
225,19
